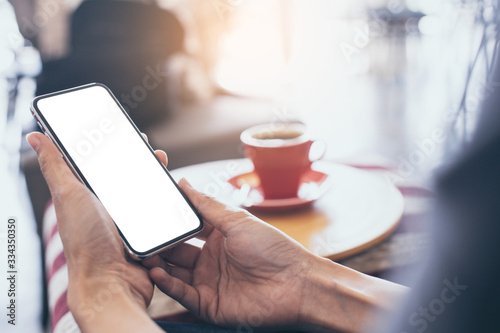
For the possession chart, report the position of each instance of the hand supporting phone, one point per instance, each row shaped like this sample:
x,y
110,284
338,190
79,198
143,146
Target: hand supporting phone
x,y
106,151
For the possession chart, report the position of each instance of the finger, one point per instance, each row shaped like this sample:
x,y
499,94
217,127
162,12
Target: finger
x,y
55,170
160,153
183,255
162,156
177,289
154,261
213,212
185,274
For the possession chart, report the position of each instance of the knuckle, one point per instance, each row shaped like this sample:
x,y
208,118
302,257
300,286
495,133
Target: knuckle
x,y
49,166
206,200
183,293
44,162
235,215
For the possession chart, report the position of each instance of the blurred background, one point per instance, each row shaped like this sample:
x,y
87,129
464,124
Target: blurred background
x,y
395,82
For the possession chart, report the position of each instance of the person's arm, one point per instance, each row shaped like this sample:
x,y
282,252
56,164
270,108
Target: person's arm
x,y
339,298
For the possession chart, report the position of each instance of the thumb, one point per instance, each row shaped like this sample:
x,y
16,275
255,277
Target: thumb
x,y
55,170
217,214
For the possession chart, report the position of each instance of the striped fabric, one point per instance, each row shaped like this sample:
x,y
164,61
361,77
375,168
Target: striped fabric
x,y
401,249
57,276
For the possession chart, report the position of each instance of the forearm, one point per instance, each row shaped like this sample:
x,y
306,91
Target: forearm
x,y
341,299
105,305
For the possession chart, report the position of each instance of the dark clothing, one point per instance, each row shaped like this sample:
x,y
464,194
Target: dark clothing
x,y
191,328
458,290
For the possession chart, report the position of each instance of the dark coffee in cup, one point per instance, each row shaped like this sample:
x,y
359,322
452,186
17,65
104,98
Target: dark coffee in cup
x,y
277,135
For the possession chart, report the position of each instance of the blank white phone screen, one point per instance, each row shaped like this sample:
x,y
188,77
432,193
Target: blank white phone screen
x,y
126,177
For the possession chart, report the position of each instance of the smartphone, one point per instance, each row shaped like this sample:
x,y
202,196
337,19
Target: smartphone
x,y
107,152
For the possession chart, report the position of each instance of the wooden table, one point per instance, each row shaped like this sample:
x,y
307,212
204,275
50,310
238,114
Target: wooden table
x,y
357,211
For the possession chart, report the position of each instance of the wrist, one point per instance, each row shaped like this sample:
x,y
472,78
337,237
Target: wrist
x,y
94,283
340,299
91,281
107,304
91,296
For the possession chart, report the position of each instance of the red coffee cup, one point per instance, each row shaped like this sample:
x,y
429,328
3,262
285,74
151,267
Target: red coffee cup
x,y
280,155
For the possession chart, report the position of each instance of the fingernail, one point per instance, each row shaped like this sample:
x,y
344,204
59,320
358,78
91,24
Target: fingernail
x,y
33,141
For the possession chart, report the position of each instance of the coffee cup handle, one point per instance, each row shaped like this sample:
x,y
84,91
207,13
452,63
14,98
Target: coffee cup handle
x,y
317,150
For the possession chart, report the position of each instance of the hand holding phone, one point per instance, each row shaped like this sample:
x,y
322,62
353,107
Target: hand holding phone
x,y
107,152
